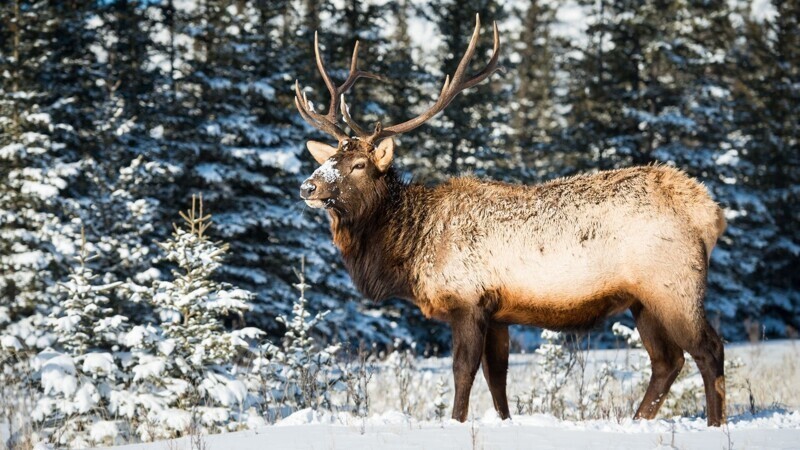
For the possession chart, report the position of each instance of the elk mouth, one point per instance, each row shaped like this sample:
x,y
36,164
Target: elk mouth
x,y
318,203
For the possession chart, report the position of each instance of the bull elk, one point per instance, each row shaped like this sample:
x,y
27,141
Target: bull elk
x,y
481,255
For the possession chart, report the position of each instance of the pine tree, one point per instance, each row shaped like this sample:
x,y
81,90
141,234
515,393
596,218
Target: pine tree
x,y
307,374
533,120
76,383
193,305
83,319
440,405
471,131
761,187
36,166
185,370
555,363
409,90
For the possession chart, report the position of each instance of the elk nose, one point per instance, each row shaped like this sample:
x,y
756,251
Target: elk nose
x,y
307,188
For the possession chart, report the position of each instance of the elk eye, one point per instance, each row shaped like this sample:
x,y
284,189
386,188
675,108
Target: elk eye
x,y
359,166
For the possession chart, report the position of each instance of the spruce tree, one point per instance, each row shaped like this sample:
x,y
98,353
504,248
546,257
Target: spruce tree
x,y
762,192
77,379
84,320
471,131
533,117
185,373
37,166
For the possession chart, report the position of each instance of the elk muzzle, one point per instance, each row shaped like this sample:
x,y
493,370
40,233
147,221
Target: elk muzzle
x,y
307,189
310,193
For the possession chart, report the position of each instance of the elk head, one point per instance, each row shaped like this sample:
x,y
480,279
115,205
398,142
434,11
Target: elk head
x,y
353,171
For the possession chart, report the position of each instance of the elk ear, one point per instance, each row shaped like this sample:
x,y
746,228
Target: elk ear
x,y
321,152
383,154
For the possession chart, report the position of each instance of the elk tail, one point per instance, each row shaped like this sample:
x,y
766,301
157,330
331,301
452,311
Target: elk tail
x,y
715,231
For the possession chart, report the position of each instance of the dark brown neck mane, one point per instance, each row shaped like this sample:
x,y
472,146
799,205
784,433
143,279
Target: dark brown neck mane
x,y
377,242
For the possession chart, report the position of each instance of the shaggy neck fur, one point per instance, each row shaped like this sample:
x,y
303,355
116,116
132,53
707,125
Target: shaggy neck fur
x,y
376,238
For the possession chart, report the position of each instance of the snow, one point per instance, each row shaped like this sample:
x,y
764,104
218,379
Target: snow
x,y
166,347
264,89
99,52
731,158
10,342
285,160
58,375
175,419
104,430
210,173
42,118
93,22
149,367
27,259
44,191
630,335
226,391
11,150
309,429
248,333
99,364
762,10
148,275
66,324
327,171
233,299
122,403
140,335
86,398
389,428
157,132
214,415
571,21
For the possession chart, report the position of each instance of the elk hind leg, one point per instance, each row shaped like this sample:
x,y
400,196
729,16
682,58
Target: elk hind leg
x,y
666,360
679,309
495,366
708,352
689,329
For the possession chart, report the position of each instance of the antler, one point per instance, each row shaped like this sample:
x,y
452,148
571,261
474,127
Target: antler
x,y
451,88
328,122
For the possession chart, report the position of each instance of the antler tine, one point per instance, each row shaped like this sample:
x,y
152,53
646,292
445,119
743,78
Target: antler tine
x,y
452,86
349,120
354,75
492,66
326,78
323,123
450,89
354,58
473,43
328,122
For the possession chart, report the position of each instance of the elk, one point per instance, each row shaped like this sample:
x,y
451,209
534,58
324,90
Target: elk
x,y
481,255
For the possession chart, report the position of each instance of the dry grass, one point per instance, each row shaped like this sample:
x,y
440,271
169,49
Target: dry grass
x,y
767,377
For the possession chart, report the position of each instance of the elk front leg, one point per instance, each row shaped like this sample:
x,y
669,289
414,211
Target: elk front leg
x,y
495,366
469,333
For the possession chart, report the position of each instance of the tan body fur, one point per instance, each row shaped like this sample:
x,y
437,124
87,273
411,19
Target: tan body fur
x,y
591,244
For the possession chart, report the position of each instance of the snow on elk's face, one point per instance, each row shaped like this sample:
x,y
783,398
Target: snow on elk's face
x,y
349,176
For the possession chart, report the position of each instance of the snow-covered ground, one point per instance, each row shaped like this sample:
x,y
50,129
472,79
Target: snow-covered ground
x,y
771,370
307,430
